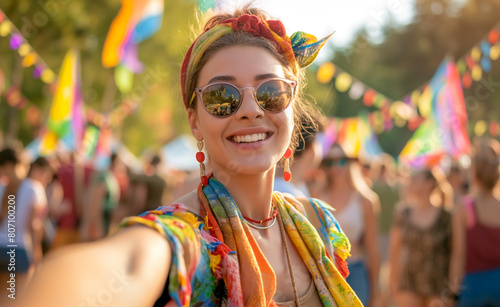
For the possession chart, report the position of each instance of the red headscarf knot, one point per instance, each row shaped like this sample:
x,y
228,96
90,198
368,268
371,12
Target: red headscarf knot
x,y
257,27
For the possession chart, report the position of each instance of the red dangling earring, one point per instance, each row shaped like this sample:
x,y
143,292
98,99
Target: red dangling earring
x,y
287,175
200,157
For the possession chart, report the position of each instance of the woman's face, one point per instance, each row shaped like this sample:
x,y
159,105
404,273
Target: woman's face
x,y
243,66
419,185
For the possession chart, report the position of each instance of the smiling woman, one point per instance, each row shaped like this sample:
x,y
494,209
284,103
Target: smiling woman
x,y
233,241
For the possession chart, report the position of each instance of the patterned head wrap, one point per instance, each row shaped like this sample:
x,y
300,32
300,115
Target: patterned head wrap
x,y
300,49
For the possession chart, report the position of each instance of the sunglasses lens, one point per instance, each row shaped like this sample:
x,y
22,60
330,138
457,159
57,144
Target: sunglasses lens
x,y
342,162
336,162
221,99
274,95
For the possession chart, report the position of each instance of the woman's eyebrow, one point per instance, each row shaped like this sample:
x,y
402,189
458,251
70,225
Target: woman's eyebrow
x,y
265,76
222,78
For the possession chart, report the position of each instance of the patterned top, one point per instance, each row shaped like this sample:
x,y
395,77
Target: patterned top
x,y
217,261
425,269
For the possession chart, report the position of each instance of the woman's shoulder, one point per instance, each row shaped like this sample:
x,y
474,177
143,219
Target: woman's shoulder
x,y
190,201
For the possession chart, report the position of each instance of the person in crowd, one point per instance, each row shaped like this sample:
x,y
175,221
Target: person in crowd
x,y
149,188
357,210
22,213
55,196
74,177
457,177
307,157
387,187
232,241
103,199
425,246
479,216
122,173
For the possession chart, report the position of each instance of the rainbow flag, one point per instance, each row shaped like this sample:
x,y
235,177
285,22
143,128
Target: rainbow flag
x,y
136,21
445,129
354,134
90,141
424,146
66,118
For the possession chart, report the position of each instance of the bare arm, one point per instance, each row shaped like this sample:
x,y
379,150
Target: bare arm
x,y
457,261
370,212
394,255
36,231
126,269
55,200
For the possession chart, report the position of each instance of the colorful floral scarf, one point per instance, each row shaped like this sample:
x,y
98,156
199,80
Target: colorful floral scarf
x,y
225,250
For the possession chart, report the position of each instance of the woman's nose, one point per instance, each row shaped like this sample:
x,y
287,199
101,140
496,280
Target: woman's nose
x,y
249,108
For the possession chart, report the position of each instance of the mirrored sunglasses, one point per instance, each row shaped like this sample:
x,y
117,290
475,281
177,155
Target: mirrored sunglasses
x,y
222,99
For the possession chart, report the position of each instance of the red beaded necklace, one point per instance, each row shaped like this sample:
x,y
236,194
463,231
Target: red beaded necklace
x,y
273,215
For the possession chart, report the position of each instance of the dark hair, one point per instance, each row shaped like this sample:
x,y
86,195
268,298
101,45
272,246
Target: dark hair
x,y
310,125
8,155
486,161
113,158
155,160
40,162
301,107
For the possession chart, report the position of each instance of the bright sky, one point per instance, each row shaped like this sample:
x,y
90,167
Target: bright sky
x,y
344,17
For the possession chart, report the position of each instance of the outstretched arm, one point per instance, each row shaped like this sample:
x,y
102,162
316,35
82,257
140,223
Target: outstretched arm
x,y
127,269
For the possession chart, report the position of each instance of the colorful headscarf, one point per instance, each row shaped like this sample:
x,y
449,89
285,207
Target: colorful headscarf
x,y
300,49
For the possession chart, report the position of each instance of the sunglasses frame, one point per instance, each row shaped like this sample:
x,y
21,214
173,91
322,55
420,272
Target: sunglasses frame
x,y
199,92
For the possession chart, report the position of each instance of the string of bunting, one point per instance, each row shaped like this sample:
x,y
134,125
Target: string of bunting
x,y
472,67
30,58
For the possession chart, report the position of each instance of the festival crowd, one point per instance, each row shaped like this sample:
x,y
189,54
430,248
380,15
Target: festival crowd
x,y
419,237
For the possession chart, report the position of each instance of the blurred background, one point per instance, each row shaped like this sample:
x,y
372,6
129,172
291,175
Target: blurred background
x,y
393,47
91,117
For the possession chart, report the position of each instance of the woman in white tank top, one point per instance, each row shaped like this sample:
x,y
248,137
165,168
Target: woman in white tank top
x,y
357,209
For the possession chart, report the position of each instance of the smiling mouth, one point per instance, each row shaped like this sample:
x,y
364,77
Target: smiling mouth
x,y
250,138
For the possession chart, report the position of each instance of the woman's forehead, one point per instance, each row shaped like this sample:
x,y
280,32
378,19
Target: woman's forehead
x,y
240,64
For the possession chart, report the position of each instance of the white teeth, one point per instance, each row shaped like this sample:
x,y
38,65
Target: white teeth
x,y
249,138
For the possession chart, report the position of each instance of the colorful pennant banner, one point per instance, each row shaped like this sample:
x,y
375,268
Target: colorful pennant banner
x,y
408,111
354,134
41,70
30,58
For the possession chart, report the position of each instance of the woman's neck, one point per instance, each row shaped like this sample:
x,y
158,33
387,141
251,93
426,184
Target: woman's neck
x,y
340,186
483,194
13,178
251,193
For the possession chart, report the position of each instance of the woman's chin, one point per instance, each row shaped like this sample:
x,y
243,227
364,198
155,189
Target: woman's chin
x,y
244,168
